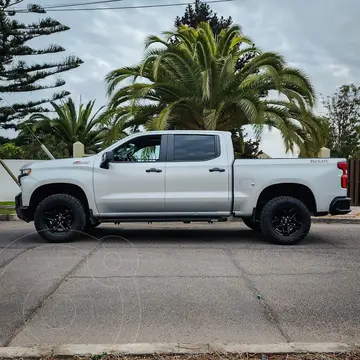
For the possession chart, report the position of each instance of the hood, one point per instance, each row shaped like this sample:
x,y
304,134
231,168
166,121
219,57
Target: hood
x,y
84,161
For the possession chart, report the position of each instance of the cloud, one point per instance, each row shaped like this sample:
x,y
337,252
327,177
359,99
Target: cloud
x,y
320,37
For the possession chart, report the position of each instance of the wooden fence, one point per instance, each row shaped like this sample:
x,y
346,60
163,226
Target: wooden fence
x,y
354,181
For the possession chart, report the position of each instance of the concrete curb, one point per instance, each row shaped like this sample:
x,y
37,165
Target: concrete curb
x,y
171,348
338,220
13,217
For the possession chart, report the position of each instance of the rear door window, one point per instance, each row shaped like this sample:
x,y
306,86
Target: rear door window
x,y
195,147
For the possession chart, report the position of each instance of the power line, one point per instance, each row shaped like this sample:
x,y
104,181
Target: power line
x,y
81,4
24,10
75,4
129,7
140,6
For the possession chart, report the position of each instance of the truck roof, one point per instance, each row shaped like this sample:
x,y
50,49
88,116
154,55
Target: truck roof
x,y
187,132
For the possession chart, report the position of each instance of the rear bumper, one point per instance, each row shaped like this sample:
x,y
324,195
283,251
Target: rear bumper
x,y
340,206
23,212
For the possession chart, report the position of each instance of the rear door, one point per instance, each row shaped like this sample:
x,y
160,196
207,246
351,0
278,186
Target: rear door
x,y
198,175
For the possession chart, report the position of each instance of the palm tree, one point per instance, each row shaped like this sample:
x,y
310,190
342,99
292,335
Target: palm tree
x,y
191,83
314,143
71,125
115,127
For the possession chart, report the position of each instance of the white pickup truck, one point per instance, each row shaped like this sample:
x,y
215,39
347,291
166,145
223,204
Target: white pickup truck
x,y
180,176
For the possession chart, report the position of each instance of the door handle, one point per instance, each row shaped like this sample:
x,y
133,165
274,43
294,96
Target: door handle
x,y
153,170
217,169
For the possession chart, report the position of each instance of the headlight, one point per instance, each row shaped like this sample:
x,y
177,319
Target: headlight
x,y
25,172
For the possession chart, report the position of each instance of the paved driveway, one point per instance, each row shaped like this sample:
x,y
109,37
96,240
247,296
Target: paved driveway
x,y
186,283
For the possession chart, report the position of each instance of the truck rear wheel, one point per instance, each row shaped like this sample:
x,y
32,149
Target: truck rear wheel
x,y
285,220
251,224
60,218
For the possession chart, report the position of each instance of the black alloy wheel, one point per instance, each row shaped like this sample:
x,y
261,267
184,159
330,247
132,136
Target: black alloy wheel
x,y
59,219
285,220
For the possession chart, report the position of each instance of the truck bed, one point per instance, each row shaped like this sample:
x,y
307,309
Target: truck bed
x,y
252,176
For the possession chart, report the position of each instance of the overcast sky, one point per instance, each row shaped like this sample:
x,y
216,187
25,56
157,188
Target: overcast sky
x,y
320,37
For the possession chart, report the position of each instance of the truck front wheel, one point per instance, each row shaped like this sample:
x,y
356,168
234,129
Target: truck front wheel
x,y
60,218
285,220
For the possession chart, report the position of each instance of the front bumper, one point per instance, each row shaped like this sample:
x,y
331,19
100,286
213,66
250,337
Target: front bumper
x,y
23,212
340,206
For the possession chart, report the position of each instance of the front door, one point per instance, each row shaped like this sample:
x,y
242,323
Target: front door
x,y
135,181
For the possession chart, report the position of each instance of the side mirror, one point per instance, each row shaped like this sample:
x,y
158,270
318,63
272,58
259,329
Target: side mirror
x,y
106,159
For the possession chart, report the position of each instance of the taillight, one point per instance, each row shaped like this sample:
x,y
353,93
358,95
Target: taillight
x,y
343,166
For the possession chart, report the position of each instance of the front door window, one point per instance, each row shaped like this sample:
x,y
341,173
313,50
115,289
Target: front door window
x,y
141,149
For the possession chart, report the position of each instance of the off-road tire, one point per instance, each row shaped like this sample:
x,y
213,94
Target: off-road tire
x,y
64,200
251,224
268,212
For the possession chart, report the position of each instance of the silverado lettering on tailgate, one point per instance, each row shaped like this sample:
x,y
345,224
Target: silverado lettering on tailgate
x,y
318,161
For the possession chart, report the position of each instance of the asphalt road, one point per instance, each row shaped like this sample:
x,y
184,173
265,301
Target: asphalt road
x,y
179,283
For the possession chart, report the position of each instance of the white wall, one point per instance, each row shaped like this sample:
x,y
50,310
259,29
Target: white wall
x,y
8,187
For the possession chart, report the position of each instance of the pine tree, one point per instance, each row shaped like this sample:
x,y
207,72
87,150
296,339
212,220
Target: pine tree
x,y
15,75
202,12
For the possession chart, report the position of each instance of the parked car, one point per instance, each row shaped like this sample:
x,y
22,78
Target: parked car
x,y
182,176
